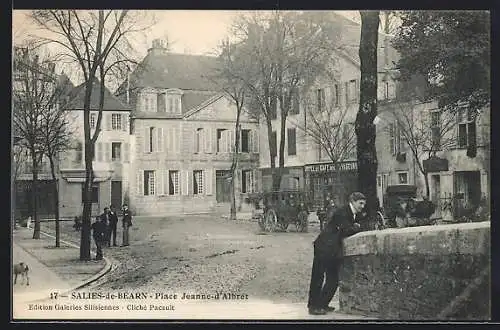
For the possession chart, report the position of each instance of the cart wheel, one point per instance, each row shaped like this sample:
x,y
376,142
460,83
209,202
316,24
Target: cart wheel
x,y
270,220
301,223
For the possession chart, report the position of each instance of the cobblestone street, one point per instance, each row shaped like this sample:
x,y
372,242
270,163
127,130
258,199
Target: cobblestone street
x,y
201,254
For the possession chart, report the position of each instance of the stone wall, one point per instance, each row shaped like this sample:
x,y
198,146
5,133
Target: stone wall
x,y
430,272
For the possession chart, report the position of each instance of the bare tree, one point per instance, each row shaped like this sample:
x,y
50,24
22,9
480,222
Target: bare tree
x,y
331,128
289,50
57,134
33,95
425,130
19,157
98,42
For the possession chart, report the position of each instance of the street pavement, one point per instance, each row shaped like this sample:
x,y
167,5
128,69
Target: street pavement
x,y
42,280
146,257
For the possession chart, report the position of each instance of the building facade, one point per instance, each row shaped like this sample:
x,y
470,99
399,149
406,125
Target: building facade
x,y
111,162
183,134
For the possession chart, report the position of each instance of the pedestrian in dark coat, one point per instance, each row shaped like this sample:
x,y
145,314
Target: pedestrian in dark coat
x,y
105,219
99,235
126,223
328,254
113,221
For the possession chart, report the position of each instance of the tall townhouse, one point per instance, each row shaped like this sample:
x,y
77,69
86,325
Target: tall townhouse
x,y
111,158
183,133
307,165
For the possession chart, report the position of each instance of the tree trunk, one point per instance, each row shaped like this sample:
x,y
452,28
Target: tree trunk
x,y
234,166
427,188
34,193
56,200
276,178
87,203
365,128
281,151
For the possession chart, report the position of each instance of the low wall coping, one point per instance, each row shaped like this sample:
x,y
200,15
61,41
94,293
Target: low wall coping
x,y
463,238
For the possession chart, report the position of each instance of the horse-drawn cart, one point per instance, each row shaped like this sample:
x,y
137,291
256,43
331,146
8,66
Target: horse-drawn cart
x,y
279,209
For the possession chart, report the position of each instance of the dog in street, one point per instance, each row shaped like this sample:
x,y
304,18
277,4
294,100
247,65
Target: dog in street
x,y
21,269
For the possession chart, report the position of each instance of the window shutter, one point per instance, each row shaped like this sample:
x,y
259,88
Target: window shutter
x,y
196,142
239,180
230,140
185,183
210,132
146,139
107,152
108,121
208,176
139,182
126,151
346,88
255,140
206,137
160,182
165,182
240,143
167,134
160,139
99,151
254,180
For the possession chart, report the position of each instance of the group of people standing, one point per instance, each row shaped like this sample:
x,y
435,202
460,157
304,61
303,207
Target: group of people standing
x,y
105,227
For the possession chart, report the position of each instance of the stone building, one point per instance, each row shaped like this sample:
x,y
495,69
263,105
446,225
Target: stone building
x,y
307,165
182,139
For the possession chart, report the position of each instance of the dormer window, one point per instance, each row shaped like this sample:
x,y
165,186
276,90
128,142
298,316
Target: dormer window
x,y
174,101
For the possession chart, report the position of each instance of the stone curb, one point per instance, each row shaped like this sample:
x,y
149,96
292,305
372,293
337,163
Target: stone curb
x,y
106,269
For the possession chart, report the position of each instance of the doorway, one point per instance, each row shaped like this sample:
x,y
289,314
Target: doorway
x,y
223,186
116,194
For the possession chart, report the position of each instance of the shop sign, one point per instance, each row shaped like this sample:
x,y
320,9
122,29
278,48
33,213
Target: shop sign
x,y
331,167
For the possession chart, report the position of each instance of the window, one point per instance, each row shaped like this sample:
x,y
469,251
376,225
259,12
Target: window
x,y
149,183
171,104
150,101
92,120
177,104
160,102
403,177
274,143
199,141
116,122
292,144
351,91
78,152
222,140
466,128
197,182
436,129
245,140
95,193
116,151
247,181
173,182
395,140
320,99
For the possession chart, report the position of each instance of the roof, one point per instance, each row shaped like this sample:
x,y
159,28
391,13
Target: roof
x,y
162,69
111,103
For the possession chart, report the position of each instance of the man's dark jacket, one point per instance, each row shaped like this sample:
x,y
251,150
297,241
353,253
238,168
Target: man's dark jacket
x,y
328,244
113,219
98,230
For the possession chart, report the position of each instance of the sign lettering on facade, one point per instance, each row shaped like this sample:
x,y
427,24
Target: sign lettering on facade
x,y
344,166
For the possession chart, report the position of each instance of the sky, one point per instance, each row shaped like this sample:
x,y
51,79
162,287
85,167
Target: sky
x,y
188,31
